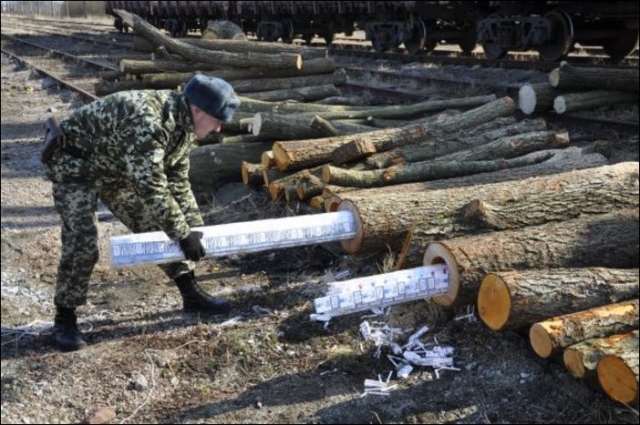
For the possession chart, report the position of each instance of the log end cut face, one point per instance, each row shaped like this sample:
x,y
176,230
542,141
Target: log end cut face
x,y
354,245
438,254
540,341
618,380
574,363
494,302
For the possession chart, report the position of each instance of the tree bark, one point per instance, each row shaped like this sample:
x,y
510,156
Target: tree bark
x,y
353,151
286,186
339,77
618,374
305,153
324,127
141,44
537,98
605,240
421,171
252,173
197,54
299,94
581,359
309,186
517,299
213,165
494,129
549,337
592,99
138,67
567,76
384,217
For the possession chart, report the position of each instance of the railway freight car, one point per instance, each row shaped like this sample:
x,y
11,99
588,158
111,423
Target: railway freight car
x,y
550,27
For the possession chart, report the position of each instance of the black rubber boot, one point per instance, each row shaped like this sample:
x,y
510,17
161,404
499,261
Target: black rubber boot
x,y
196,299
65,331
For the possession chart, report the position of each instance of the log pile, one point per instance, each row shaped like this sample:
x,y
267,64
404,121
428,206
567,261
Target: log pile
x,y
572,88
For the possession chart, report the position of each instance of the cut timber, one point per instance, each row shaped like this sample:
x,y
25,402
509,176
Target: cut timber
x,y
384,217
309,186
141,44
212,165
317,203
454,142
300,94
581,359
511,146
196,54
133,66
272,174
537,97
286,186
252,173
267,160
515,299
608,240
618,375
323,126
353,151
271,84
297,126
299,154
568,76
421,171
331,203
592,99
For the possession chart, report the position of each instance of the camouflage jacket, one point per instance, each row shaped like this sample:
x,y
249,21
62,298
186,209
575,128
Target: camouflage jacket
x,y
140,139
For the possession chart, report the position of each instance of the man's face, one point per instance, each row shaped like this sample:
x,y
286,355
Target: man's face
x,y
204,124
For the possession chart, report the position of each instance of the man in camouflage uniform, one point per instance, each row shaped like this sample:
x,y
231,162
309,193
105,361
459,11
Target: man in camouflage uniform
x,y
131,151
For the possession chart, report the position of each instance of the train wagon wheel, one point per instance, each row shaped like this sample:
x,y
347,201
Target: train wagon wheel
x,y
418,37
492,49
625,42
287,28
562,41
307,39
430,45
468,40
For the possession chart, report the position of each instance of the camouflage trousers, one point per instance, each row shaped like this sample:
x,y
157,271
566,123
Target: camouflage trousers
x,y
76,200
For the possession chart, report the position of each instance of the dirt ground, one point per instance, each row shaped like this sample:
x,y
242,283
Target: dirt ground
x,y
264,363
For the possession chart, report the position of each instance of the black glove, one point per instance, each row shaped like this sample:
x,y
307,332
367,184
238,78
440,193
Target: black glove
x,y
192,247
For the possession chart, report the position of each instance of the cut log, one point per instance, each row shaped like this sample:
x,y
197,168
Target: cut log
x,y
300,94
309,186
331,203
305,153
582,358
213,165
323,126
511,146
444,212
252,173
267,160
455,142
537,98
317,203
353,151
515,299
593,99
223,30
286,186
297,126
568,76
272,174
196,54
421,171
551,336
618,374
607,240
271,84
138,67
141,44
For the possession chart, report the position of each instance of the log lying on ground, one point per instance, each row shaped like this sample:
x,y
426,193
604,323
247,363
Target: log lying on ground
x,y
293,127
141,44
563,160
592,99
212,165
252,173
568,76
267,160
515,299
286,186
582,358
417,152
339,77
299,154
511,146
138,67
196,54
536,98
300,94
551,336
618,374
422,171
334,112
458,211
607,240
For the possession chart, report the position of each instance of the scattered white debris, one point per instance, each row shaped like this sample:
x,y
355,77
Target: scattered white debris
x,y
469,315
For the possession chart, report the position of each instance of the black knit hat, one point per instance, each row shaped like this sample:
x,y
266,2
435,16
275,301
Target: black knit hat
x,y
213,95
